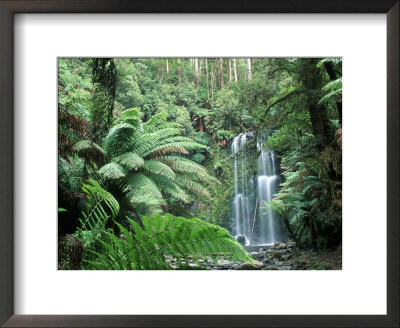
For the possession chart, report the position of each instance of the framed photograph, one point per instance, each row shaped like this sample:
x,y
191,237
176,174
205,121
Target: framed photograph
x,y
199,164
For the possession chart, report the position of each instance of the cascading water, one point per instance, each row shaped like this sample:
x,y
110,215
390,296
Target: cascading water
x,y
249,217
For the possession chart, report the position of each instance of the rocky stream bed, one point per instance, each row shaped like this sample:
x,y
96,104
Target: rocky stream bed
x,y
281,256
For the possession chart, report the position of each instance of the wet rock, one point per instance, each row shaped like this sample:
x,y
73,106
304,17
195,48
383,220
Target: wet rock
x,y
194,266
225,264
270,268
258,263
247,266
291,244
254,255
302,260
285,267
261,256
276,254
266,260
280,246
286,257
241,239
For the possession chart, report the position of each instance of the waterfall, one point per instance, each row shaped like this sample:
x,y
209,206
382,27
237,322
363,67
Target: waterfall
x,y
252,189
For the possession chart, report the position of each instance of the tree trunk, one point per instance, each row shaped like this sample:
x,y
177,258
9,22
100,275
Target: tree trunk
x,y
234,69
212,81
333,76
312,81
229,73
166,66
179,72
196,71
248,69
208,91
319,120
290,230
200,67
201,128
160,73
221,71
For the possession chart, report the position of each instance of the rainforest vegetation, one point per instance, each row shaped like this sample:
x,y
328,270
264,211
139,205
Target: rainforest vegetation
x,y
145,164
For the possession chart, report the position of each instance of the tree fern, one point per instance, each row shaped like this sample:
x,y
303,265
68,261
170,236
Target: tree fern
x,y
161,240
145,156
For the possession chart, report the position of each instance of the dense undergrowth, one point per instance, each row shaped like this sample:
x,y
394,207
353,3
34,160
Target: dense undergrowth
x,y
144,161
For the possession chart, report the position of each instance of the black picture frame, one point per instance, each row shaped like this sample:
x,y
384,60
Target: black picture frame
x,y
10,7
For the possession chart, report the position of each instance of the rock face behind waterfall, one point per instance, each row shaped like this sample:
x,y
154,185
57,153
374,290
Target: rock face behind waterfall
x,y
252,223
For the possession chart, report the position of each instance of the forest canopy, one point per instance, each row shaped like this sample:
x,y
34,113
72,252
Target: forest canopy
x,y
147,174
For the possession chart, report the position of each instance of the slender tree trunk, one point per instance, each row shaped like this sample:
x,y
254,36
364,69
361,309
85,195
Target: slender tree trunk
x,y
234,69
160,69
179,72
229,73
201,127
196,71
212,82
290,230
221,70
166,66
201,67
208,91
248,69
230,70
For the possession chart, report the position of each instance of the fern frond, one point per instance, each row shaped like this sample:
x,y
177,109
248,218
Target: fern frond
x,y
144,190
192,168
181,145
131,116
144,143
112,171
100,207
165,149
118,140
163,239
170,187
187,183
130,160
158,121
160,168
89,150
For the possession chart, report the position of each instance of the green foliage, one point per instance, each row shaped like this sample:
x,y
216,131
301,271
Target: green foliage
x,y
144,155
157,140
333,89
157,242
70,173
310,201
101,207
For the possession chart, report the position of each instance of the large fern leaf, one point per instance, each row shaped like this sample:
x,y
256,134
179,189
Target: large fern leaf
x,y
118,140
159,168
130,160
161,240
144,190
112,171
101,206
